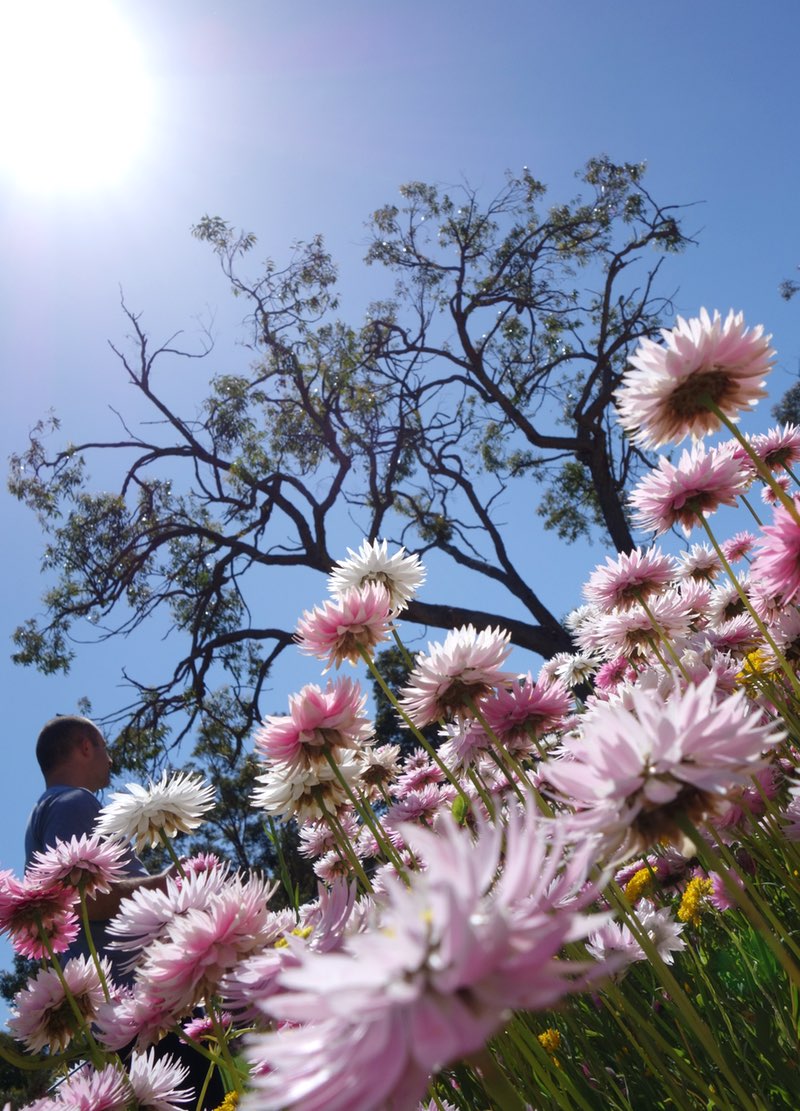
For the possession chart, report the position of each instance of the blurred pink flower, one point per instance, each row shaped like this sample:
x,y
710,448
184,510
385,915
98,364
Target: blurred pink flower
x,y
663,398
675,495
448,958
454,675
37,917
738,546
340,630
776,567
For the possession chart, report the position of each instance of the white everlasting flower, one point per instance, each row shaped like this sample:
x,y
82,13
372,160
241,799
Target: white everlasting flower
x,y
401,574
172,805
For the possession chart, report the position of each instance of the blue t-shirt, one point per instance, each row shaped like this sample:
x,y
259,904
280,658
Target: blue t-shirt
x,y
60,813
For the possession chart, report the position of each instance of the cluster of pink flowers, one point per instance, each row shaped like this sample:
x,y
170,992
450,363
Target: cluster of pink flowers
x,y
457,876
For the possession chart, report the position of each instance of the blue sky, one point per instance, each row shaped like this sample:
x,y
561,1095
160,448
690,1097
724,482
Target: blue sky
x,y
292,118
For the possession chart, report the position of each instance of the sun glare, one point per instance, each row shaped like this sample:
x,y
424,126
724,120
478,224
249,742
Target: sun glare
x,y
75,93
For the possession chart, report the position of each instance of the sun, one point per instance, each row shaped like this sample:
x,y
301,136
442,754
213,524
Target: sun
x,y
75,93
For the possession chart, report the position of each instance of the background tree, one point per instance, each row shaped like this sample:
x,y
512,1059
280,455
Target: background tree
x,y
491,362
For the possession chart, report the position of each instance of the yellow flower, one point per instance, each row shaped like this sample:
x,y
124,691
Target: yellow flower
x,y
550,1039
693,901
230,1102
639,885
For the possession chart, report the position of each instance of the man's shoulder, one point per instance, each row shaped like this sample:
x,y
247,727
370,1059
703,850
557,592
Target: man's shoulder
x,y
60,813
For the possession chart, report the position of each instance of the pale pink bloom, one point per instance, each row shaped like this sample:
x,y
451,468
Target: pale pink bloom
x,y
37,918
785,631
175,804
664,397
696,595
663,930
791,815
317,837
768,495
138,1014
205,944
418,771
456,675
342,629
776,567
466,740
88,1090
720,896
292,791
778,448
725,602
202,1028
526,709
202,862
42,1015
630,632
740,633
145,916
628,578
636,768
452,954
245,988
156,1083
400,574
748,802
614,941
318,722
612,673
671,495
379,766
334,866
700,562
417,806
738,546
88,863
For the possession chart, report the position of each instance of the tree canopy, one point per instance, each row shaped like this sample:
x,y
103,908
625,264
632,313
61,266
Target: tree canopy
x,y
490,362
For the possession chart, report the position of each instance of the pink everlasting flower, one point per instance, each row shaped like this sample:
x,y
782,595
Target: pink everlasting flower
x,y
455,675
342,629
36,918
675,495
778,448
42,1014
87,863
174,804
776,567
738,546
318,721
629,577
700,563
638,767
294,791
88,1090
665,396
526,709
452,954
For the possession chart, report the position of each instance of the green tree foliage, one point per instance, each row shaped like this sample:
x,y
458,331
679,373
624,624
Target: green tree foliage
x,y
487,367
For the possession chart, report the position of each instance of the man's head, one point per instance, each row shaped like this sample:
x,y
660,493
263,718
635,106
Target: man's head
x,y
72,750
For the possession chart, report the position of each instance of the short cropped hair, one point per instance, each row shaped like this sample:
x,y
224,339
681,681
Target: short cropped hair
x,y
60,736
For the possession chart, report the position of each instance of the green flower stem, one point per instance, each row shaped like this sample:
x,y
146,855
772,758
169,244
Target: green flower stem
x,y
407,657
95,1052
431,751
495,1083
663,636
90,942
514,764
745,897
674,989
547,1072
779,656
344,844
167,843
746,503
368,817
283,867
483,792
234,1073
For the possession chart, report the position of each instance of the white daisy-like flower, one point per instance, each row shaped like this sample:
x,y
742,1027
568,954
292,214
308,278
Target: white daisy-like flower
x,y
172,805
401,574
156,1084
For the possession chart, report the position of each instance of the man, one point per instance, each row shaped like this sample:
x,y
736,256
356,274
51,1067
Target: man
x,y
75,763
